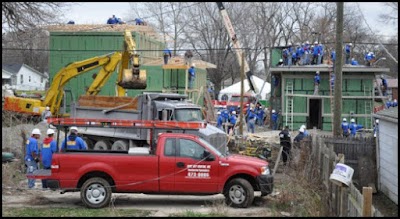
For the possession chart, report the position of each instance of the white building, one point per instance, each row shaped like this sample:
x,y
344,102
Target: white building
x,y
387,153
24,78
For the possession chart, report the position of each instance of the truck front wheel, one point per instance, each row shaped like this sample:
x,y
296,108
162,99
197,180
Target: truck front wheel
x,y
96,193
239,193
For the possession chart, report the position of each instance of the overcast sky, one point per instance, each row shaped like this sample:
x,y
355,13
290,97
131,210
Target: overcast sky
x,y
99,12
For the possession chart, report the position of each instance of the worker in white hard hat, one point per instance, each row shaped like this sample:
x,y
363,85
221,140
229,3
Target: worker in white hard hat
x,y
376,127
345,128
232,120
300,136
280,63
305,130
49,147
192,76
274,118
74,142
251,120
220,120
353,127
32,155
46,114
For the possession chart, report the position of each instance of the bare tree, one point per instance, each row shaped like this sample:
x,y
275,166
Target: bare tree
x,y
393,16
19,16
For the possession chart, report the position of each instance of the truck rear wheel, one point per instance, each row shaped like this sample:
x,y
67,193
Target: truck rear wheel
x,y
102,145
120,145
239,193
96,193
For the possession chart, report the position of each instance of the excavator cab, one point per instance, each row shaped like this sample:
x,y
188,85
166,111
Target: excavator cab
x,y
132,78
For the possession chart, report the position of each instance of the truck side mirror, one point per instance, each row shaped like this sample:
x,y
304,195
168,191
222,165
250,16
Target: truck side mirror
x,y
208,156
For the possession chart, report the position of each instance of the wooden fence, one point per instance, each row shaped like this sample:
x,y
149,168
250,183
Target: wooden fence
x,y
317,159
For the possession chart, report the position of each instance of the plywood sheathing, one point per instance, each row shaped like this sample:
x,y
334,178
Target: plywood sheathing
x,y
178,62
99,101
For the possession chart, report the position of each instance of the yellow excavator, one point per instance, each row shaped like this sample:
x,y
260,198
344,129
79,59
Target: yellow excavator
x,y
128,78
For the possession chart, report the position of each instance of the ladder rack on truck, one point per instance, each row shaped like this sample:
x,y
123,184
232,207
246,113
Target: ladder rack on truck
x,y
122,123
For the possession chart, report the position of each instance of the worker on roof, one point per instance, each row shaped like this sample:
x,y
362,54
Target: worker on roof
x,y
71,22
112,20
290,53
316,83
294,57
167,55
354,61
74,142
370,58
285,55
119,21
307,51
49,147
333,57
32,155
192,76
188,57
139,21
316,53
280,63
299,55
347,50
321,51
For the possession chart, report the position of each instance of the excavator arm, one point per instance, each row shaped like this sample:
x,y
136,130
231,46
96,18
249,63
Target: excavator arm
x,y
237,47
55,93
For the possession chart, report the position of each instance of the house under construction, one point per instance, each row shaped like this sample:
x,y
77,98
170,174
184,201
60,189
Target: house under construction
x,y
294,98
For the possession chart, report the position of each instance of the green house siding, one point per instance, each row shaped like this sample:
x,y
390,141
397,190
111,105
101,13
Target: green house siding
x,y
69,47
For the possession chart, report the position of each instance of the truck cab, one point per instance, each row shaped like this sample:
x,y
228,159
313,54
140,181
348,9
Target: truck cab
x,y
234,103
181,164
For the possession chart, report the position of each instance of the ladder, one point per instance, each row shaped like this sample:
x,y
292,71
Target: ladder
x,y
368,107
289,105
332,92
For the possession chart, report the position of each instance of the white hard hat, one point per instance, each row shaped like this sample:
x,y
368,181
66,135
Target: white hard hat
x,y
372,53
317,72
307,42
382,76
350,44
36,132
395,100
47,108
73,128
352,59
303,127
251,108
290,44
315,42
301,130
218,113
233,112
273,111
377,121
344,119
281,60
193,65
50,131
352,120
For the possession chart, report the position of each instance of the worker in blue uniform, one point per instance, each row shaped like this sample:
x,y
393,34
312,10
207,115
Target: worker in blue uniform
x,y
345,128
49,147
353,128
32,155
274,118
74,142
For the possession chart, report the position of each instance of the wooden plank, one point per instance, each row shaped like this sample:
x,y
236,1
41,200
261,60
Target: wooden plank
x,y
367,202
108,102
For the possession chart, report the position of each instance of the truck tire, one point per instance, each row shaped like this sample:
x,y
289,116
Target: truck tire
x,y
239,193
102,145
96,193
89,143
120,145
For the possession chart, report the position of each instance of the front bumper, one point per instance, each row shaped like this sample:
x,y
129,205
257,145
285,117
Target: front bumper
x,y
266,184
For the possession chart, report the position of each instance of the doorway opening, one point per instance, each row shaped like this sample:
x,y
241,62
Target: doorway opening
x,y
315,114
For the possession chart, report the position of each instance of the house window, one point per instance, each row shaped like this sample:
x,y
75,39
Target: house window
x,y
29,78
22,79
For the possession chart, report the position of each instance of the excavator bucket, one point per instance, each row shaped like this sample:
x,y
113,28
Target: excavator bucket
x,y
133,79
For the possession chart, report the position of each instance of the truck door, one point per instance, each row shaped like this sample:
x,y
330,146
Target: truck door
x,y
192,174
167,165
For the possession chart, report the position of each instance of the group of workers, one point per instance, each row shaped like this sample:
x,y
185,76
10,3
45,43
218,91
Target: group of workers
x,y
37,152
115,20
308,54
285,141
350,129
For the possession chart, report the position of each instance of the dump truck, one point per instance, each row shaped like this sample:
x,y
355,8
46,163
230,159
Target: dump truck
x,y
145,107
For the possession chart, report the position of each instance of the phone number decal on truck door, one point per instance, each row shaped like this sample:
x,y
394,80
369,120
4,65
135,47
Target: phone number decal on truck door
x,y
198,171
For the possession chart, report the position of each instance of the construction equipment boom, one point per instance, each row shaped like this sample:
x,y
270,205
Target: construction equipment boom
x,y
237,47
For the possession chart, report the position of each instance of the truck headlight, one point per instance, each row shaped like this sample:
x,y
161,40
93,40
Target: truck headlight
x,y
265,170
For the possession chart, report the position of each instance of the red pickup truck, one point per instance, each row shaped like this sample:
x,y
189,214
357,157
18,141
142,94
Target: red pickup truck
x,y
181,164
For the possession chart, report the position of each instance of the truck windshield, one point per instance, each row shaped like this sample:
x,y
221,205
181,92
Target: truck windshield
x,y
186,115
211,147
237,99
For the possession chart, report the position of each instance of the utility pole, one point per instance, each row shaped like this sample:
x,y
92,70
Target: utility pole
x,y
241,96
337,110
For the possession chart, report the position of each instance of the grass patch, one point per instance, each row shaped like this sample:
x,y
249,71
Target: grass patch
x,y
190,213
73,212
